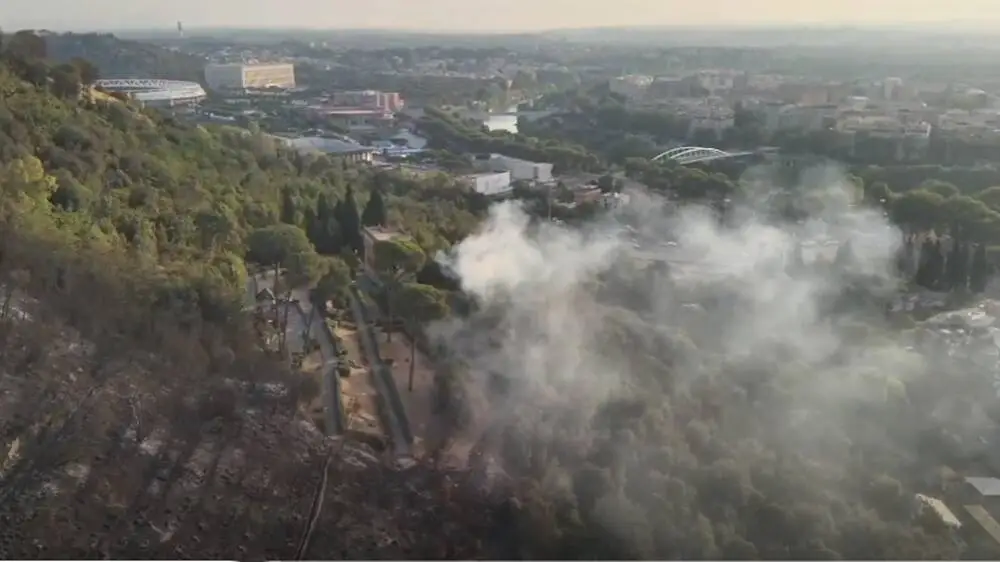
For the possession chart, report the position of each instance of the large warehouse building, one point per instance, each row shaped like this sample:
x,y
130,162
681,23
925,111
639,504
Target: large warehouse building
x,y
238,76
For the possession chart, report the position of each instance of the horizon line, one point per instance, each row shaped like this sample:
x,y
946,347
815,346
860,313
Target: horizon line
x,y
949,25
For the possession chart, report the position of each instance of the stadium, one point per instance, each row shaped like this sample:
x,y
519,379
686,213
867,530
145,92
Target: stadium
x,y
155,93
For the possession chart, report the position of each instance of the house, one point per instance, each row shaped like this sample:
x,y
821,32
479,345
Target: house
x,y
370,235
520,170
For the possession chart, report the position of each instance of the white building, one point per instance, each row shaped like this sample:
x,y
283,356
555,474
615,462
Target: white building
x,y
492,184
631,86
521,170
239,76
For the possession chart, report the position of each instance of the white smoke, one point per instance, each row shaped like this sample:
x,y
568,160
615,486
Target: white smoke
x,y
580,320
554,332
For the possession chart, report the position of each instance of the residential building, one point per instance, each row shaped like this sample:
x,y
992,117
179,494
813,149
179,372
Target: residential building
x,y
521,170
492,184
240,76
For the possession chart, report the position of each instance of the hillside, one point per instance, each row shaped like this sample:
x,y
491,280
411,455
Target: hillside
x,y
129,425
120,58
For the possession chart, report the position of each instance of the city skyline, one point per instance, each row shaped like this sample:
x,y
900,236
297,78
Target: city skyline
x,y
457,16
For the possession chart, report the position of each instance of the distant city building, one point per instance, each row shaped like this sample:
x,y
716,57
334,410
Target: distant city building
x,y
239,76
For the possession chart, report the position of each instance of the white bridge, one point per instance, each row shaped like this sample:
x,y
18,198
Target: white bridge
x,y
694,154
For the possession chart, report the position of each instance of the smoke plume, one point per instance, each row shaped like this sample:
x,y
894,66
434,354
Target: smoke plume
x,y
774,319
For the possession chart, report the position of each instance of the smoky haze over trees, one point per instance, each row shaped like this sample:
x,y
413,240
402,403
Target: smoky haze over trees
x,y
754,404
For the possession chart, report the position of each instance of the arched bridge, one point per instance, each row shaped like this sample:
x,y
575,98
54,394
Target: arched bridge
x,y
694,154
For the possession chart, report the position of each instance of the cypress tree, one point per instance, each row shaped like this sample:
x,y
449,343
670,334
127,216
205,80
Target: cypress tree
x,y
323,210
287,207
350,222
374,213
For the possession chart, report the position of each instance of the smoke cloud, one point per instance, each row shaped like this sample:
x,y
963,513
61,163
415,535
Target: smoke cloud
x,y
784,318
557,297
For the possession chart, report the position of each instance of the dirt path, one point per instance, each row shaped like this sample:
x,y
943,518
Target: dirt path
x,y
358,393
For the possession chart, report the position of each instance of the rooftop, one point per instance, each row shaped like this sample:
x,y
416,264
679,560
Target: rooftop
x,y
941,510
327,145
985,485
350,111
382,233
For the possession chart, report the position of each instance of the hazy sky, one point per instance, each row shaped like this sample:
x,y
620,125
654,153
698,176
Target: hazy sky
x,y
459,15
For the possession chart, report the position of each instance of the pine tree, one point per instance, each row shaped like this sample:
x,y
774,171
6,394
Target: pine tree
x,y
374,212
979,272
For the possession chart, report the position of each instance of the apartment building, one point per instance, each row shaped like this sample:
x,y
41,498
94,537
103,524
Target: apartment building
x,y
369,99
239,76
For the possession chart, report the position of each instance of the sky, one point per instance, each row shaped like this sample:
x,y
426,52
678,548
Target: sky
x,y
459,15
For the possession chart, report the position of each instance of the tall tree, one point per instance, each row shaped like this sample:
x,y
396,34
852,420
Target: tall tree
x,y
374,213
957,267
418,304
324,211
980,271
287,207
931,268
397,262
350,222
